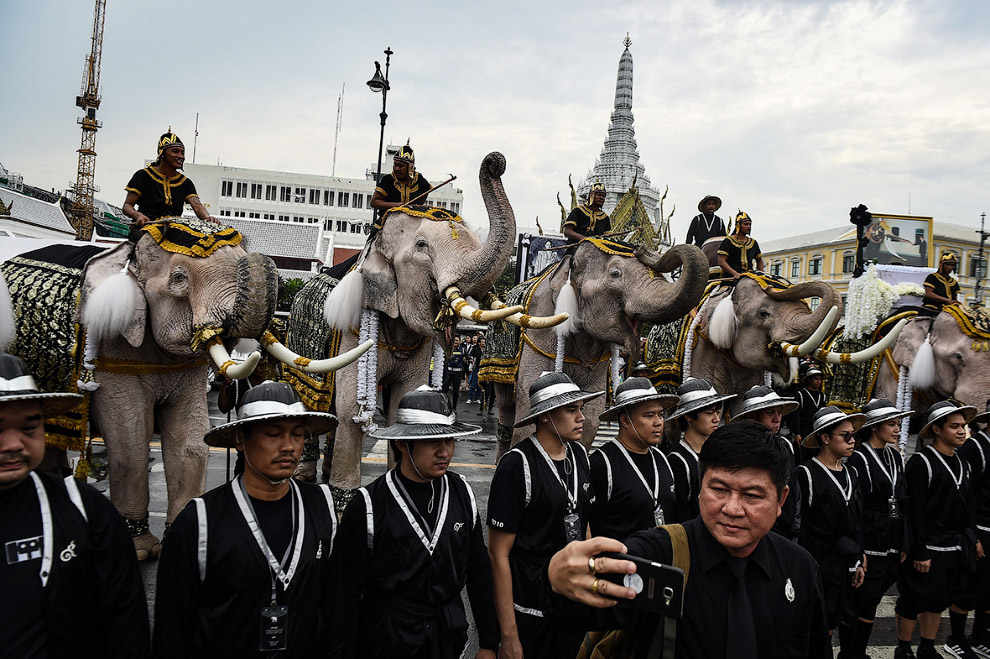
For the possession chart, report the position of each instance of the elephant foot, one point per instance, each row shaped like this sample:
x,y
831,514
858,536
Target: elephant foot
x,y
145,544
341,497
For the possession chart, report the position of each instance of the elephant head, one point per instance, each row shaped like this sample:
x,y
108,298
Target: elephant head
x,y
747,322
616,293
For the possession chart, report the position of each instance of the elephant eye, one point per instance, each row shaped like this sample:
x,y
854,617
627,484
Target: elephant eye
x,y
764,313
615,273
421,243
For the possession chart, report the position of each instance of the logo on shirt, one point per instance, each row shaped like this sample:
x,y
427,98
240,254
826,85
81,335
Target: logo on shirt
x,y
68,553
25,549
319,550
789,591
458,526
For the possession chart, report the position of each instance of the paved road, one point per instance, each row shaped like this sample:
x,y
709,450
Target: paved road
x,y
474,458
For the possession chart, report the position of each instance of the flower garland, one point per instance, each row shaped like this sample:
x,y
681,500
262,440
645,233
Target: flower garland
x,y
689,348
614,366
558,363
909,288
767,379
367,380
438,362
869,299
904,394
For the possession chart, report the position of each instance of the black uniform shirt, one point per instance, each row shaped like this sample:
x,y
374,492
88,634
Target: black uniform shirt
x,y
976,453
402,193
944,286
830,519
623,504
782,583
160,196
877,472
684,461
699,230
588,222
940,509
740,255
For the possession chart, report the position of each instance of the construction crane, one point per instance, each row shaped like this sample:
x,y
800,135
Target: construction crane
x,y
83,208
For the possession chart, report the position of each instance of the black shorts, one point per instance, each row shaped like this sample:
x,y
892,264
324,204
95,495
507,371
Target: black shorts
x,y
881,574
935,590
977,592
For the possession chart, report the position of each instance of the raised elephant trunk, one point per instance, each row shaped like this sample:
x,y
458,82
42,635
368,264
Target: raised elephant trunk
x,y
682,295
257,295
479,273
803,325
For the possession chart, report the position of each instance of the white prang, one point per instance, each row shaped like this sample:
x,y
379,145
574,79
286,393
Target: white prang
x,y
8,329
869,300
110,307
342,308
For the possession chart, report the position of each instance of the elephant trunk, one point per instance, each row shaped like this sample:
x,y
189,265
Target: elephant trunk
x,y
681,296
804,325
257,295
480,272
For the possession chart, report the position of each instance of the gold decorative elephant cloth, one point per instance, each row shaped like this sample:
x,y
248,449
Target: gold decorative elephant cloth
x,y
192,237
974,323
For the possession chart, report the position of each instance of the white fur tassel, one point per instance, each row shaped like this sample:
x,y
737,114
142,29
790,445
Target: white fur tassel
x,y
567,303
438,363
110,308
923,368
343,305
722,327
8,329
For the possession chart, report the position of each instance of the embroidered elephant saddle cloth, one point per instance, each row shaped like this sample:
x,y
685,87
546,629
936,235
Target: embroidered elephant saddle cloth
x,y
192,237
44,287
974,323
309,334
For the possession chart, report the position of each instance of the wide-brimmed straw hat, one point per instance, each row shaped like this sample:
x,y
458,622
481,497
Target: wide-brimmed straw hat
x,y
939,411
718,202
270,401
763,398
810,372
827,418
550,391
879,410
633,391
696,394
17,385
983,417
425,414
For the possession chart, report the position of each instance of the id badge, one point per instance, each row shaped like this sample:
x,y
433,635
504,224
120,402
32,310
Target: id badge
x,y
893,508
273,628
572,527
658,516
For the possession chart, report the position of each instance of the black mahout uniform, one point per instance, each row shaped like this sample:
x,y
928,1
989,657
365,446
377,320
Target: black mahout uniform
x,y
685,463
942,529
940,285
782,582
401,566
703,228
740,255
215,582
831,531
395,192
976,453
883,493
160,196
527,498
92,598
633,491
788,524
588,222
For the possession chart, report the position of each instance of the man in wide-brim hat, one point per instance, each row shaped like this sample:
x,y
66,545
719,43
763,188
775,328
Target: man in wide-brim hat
x,y
257,547
70,563
410,542
706,224
976,453
810,398
634,483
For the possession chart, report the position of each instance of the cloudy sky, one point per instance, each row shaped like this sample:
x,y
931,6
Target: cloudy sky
x,y
793,111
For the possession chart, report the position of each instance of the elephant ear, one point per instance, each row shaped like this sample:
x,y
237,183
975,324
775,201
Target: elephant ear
x,y
118,306
380,286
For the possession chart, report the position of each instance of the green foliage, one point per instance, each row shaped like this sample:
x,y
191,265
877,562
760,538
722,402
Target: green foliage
x,y
506,280
287,291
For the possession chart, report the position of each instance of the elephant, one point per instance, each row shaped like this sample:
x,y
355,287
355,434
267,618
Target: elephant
x,y
615,289
411,284
150,316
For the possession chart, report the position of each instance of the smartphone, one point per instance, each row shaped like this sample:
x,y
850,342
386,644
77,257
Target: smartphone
x,y
659,588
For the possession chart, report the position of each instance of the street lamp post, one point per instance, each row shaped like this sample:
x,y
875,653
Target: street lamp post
x,y
378,83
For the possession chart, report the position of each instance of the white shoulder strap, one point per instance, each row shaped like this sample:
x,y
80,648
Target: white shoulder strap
x,y
201,543
370,516
809,494
687,471
928,465
474,504
328,495
526,476
608,475
72,487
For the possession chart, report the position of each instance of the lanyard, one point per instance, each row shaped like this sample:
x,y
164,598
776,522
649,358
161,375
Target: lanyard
x,y
276,568
430,543
47,530
847,490
892,474
655,491
420,517
571,498
690,450
962,469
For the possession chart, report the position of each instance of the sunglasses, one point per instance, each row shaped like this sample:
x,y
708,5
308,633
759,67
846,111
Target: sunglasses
x,y
846,436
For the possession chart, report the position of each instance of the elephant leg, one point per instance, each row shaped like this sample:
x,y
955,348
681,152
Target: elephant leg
x,y
345,472
123,409
306,469
183,420
328,445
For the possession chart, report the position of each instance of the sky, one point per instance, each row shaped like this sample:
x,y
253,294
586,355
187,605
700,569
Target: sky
x,y
793,111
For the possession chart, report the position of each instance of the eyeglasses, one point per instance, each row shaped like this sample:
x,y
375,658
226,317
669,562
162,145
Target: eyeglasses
x,y
846,436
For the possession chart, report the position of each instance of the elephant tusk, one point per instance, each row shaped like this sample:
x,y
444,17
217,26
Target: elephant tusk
x,y
467,312
227,366
292,360
813,341
862,355
530,322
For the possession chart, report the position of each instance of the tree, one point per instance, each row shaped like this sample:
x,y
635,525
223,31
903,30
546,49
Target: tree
x,y
287,292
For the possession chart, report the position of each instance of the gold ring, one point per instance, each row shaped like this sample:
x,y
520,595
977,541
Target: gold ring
x,y
594,586
591,565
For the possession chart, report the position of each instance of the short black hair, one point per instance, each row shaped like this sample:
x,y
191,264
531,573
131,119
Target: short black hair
x,y
682,421
746,444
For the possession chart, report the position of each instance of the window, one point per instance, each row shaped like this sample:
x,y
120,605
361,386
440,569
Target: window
x,y
355,228
848,262
271,192
285,193
283,218
256,191
254,215
224,212
815,266
300,197
341,226
357,201
776,267
314,197
269,216
343,199
226,188
238,213
795,268
814,302
976,266
455,207
328,197
368,202
242,190
328,224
